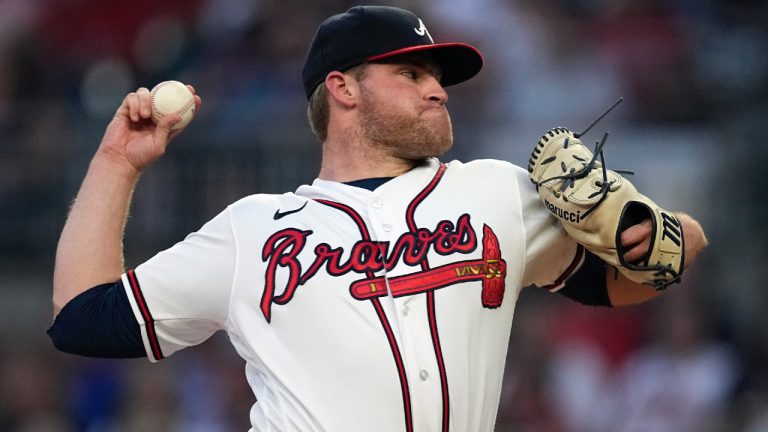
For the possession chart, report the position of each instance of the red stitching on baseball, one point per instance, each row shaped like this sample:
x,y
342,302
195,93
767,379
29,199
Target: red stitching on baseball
x,y
181,111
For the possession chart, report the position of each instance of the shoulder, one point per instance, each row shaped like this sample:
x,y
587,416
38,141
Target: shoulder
x,y
262,203
492,165
245,221
490,171
501,178
261,207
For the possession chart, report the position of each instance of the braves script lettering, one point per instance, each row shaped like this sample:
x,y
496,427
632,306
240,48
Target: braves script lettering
x,y
366,256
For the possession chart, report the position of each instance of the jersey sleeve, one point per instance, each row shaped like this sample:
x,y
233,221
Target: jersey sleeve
x,y
551,255
180,297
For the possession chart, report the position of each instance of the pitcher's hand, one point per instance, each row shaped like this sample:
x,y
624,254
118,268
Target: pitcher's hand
x,y
132,140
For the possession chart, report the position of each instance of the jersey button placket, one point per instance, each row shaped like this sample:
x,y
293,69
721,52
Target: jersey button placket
x,y
379,232
411,325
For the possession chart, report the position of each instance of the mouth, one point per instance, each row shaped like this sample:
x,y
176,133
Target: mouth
x,y
434,110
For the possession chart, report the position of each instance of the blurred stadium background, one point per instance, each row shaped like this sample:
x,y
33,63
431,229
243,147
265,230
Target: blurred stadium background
x,y
694,75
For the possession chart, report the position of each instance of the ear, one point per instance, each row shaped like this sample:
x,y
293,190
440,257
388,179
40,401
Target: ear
x,y
342,88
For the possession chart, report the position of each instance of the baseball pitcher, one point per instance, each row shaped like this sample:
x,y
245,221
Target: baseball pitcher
x,y
380,297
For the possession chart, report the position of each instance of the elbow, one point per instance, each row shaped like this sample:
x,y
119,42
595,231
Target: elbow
x,y
67,341
59,296
59,301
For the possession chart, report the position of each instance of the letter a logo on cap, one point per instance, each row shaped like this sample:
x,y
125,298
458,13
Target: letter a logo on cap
x,y
422,30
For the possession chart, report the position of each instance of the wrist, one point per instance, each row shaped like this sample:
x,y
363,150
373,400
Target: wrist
x,y
108,163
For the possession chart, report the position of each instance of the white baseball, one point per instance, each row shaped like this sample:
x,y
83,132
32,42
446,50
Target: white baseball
x,y
172,97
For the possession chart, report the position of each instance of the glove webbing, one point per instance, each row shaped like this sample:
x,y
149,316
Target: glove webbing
x,y
569,179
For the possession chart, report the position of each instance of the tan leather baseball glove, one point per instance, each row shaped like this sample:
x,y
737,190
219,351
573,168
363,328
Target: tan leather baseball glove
x,y
595,205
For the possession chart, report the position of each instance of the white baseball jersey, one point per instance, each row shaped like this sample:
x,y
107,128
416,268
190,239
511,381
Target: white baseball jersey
x,y
384,310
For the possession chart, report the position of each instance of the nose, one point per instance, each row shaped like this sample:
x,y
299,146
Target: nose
x,y
436,92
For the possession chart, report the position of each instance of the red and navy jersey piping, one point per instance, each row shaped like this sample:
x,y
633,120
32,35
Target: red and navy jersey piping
x,y
149,322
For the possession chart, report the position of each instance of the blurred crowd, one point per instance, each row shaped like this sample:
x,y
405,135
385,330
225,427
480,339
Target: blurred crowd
x,y
694,78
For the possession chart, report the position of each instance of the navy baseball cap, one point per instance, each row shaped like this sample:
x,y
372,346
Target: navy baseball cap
x,y
370,33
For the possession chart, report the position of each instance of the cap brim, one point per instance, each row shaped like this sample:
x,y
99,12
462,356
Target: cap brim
x,y
458,61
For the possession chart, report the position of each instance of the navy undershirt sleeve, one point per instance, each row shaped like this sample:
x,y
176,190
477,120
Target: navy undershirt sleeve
x,y
587,285
98,323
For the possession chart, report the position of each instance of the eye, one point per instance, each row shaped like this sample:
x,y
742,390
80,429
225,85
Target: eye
x,y
410,73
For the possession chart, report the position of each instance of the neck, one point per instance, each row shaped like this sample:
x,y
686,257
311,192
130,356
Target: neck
x,y
352,159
